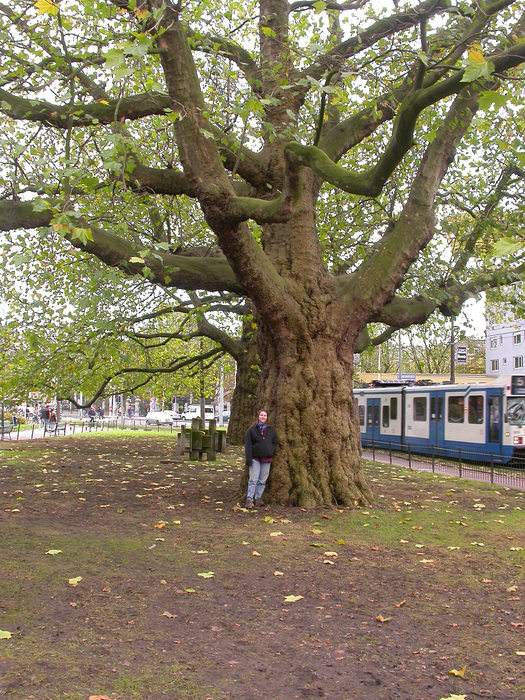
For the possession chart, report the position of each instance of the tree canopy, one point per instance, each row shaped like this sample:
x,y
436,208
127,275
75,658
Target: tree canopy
x,y
336,164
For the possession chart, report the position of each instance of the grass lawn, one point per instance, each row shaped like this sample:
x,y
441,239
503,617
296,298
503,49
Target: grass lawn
x,y
129,574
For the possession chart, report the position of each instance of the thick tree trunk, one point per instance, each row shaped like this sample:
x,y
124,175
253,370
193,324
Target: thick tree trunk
x,y
313,411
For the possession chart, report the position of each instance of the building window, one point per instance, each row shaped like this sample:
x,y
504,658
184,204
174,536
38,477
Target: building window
x,y
518,362
501,340
504,360
494,365
493,343
517,338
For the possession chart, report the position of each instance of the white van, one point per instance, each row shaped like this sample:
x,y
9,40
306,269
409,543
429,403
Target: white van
x,y
194,411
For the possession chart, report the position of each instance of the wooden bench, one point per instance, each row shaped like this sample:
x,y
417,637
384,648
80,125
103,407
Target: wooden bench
x,y
6,431
199,441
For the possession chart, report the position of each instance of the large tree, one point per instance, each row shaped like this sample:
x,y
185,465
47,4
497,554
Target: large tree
x,y
267,116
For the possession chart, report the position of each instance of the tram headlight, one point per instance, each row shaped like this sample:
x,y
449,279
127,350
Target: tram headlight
x,y
518,440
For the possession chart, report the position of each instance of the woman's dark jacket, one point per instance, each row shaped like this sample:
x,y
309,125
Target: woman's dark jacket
x,y
259,447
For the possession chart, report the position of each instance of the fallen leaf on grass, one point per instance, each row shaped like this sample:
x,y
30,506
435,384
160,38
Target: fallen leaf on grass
x,y
328,561
455,697
268,519
4,634
400,605
292,598
520,653
206,574
511,589
275,534
75,581
189,590
426,561
99,697
54,551
452,547
477,544
202,551
330,554
516,624
168,614
316,532
382,619
278,573
458,674
255,554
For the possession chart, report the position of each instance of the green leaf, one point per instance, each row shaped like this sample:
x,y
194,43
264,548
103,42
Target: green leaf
x,y
136,259
114,58
505,246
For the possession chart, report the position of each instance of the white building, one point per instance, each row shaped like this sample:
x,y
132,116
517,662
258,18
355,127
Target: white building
x,y
504,342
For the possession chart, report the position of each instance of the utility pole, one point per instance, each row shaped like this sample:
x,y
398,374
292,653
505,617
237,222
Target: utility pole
x,y
452,352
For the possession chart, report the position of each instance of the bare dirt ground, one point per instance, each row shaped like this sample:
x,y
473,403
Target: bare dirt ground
x,y
185,595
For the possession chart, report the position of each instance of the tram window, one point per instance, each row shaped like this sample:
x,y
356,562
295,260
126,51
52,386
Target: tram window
x,y
475,409
376,415
386,416
369,415
440,409
361,410
493,410
432,408
420,408
393,408
455,409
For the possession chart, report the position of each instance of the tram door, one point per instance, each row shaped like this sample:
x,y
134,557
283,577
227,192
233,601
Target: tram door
x,y
436,432
494,408
373,429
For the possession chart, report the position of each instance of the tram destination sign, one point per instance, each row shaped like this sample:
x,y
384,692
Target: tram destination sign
x,y
461,354
518,385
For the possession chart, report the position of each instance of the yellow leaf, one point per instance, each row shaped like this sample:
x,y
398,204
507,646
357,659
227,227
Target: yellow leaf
x,y
142,14
316,532
4,634
426,561
103,102
292,598
520,653
207,574
511,589
75,581
255,554
459,673
54,551
46,7
476,54
168,614
328,561
275,534
278,573
330,554
202,551
382,619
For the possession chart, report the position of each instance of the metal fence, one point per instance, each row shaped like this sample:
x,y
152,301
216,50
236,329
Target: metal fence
x,y
9,432
478,466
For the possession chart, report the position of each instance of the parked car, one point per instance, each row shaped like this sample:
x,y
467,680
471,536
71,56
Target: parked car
x,y
160,418
194,411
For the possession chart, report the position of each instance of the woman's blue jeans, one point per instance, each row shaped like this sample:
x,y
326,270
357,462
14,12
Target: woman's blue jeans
x,y
257,475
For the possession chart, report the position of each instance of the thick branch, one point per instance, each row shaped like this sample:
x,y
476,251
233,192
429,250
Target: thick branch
x,y
211,274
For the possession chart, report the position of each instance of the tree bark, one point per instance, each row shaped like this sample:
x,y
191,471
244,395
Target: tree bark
x,y
244,401
318,460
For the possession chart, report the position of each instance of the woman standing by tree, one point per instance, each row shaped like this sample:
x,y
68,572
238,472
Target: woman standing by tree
x,y
260,445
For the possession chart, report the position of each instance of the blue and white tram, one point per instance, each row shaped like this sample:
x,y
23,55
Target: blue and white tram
x,y
484,421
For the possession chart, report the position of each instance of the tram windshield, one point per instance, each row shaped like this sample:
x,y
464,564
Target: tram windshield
x,y
516,410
